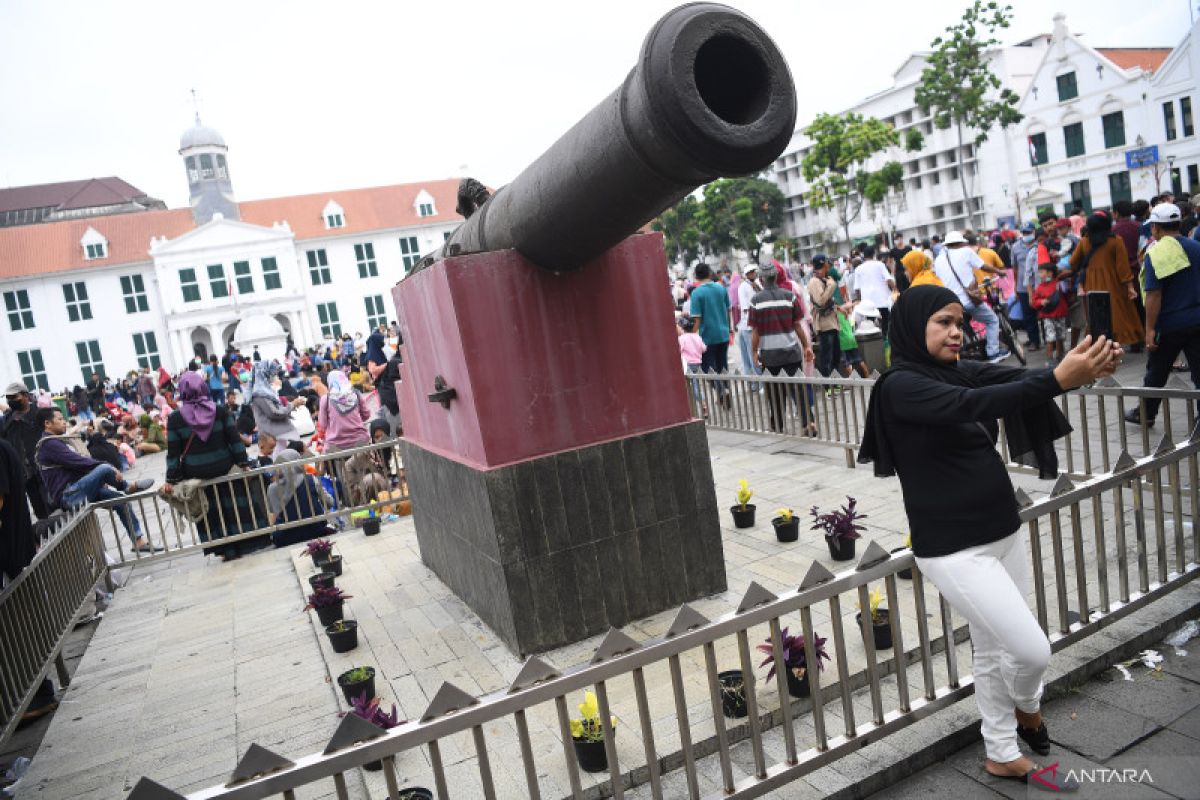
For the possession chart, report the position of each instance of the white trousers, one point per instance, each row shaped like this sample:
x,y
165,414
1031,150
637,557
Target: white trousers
x,y
987,585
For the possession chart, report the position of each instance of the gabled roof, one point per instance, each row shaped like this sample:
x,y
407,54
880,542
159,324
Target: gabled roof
x,y
1148,58
69,195
54,246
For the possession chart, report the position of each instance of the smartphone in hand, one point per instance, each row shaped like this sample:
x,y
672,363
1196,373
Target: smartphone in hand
x,y
1099,315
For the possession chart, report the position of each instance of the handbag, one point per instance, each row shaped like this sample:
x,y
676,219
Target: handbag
x,y
974,296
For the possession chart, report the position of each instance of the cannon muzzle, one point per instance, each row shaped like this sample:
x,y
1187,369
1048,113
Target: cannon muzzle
x,y
710,96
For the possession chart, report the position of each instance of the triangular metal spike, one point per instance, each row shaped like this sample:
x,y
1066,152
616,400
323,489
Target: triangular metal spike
x,y
686,619
534,671
1063,484
146,789
1165,445
817,574
755,596
352,730
257,762
1125,461
874,554
874,374
448,698
1195,434
1023,500
1177,382
615,643
1108,382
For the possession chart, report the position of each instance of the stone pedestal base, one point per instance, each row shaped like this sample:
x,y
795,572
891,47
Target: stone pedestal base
x,y
554,549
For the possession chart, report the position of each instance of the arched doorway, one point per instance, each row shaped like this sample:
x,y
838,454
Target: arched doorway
x,y
227,335
202,344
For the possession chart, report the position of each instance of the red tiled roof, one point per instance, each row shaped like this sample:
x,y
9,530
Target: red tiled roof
x,y
1148,58
54,246
70,194
365,209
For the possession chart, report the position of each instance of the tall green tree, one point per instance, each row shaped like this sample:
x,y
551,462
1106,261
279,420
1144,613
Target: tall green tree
x,y
681,232
740,213
959,87
835,165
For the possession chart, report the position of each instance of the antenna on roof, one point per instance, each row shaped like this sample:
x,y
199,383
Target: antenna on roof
x,y
196,104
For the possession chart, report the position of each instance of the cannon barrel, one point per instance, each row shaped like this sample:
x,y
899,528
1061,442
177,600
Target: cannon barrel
x,y
710,96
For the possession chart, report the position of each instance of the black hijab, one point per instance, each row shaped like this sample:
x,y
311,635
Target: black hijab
x,y
1030,433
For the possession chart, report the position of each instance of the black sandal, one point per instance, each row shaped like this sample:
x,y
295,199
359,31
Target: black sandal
x,y
1038,740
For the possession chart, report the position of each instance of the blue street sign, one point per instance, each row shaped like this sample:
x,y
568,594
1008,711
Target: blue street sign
x,y
1141,157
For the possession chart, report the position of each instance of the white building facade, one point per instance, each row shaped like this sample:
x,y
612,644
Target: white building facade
x,y
117,292
931,199
1091,115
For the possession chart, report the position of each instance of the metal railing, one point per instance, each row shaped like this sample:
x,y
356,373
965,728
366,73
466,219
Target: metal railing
x,y
1082,581
38,609
175,534
833,411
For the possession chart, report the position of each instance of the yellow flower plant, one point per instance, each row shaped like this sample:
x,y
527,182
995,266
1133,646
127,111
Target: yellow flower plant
x,y
873,600
743,493
785,514
588,728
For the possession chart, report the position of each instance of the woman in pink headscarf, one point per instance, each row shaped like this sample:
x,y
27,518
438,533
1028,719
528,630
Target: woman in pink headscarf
x,y
343,415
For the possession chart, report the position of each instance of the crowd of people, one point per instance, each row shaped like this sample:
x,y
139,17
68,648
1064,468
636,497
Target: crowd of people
x,y
811,318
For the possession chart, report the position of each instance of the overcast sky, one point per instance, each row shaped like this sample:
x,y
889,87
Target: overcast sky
x,y
317,96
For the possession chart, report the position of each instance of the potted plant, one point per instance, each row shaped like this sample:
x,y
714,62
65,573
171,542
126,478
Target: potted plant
x,y
343,635
319,550
356,681
787,527
372,711
743,512
841,528
795,659
322,580
733,693
415,793
587,734
327,603
881,630
904,573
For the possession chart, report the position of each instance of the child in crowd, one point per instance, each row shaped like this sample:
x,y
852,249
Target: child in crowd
x,y
1052,312
691,349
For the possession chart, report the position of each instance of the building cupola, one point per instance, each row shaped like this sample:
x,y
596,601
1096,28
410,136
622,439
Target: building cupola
x,y
210,190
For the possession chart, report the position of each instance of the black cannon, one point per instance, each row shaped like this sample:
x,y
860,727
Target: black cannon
x,y
711,96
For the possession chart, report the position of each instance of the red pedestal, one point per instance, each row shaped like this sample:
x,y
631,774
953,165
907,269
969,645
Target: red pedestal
x,y
541,363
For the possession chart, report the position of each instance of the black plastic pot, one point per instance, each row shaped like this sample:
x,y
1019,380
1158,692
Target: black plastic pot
x,y
797,686
733,693
353,690
904,573
329,614
840,549
371,525
880,632
413,793
743,517
343,641
320,558
591,755
321,579
334,565
786,531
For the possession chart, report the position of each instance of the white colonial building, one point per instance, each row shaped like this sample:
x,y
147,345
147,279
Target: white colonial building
x,y
931,200
110,293
1087,108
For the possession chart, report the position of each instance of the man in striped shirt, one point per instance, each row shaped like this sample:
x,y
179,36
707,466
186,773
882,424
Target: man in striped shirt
x,y
779,342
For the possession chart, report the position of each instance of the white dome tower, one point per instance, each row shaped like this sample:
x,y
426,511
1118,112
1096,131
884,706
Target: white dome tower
x,y
210,189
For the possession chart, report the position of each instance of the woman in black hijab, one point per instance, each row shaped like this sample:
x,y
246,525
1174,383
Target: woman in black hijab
x,y
932,421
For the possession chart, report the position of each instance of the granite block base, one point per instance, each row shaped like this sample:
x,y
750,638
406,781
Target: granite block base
x,y
557,548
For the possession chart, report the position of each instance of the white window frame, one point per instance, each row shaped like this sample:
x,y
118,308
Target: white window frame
x,y
20,315
145,348
33,369
75,298
327,317
95,359
364,257
334,215
95,246
133,291
376,312
410,252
